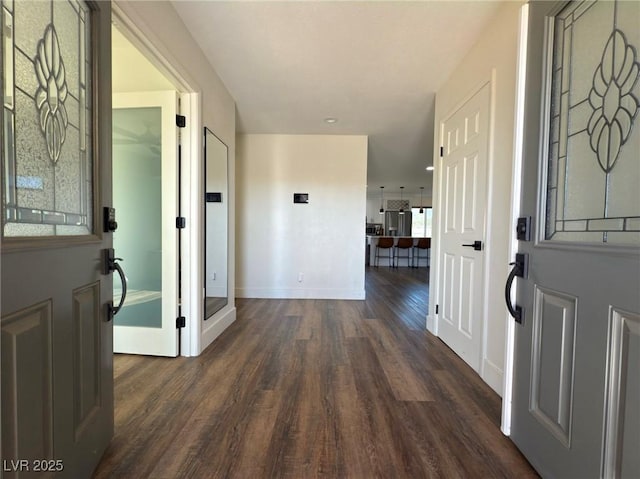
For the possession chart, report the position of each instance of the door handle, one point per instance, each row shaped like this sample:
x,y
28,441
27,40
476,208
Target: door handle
x,y
476,245
123,279
110,265
519,270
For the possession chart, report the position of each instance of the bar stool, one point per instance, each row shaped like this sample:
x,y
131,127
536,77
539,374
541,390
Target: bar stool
x,y
425,245
405,244
384,243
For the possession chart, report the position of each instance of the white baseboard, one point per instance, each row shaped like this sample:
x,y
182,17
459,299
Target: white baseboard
x,y
493,376
299,293
214,326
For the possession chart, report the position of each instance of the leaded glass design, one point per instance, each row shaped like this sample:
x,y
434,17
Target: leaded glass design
x,y
46,121
593,181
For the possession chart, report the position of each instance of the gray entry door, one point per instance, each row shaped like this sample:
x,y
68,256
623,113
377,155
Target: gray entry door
x,y
576,384
57,370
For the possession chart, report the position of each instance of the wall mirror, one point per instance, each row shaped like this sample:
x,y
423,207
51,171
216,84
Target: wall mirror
x,y
216,218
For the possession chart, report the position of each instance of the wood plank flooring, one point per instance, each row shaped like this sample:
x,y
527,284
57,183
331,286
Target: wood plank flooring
x,y
309,389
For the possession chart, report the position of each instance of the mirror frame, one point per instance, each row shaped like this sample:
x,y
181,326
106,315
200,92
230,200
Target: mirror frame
x,y
208,134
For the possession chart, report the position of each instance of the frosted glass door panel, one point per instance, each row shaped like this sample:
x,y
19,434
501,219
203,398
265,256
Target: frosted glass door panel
x,y
137,197
47,155
594,142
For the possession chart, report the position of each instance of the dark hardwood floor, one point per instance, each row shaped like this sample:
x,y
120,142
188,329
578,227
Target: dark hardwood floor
x,y
313,388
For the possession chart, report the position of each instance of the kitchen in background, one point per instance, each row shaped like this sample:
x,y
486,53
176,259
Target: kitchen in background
x,y
384,219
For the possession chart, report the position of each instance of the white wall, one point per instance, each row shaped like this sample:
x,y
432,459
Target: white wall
x,y
494,57
165,34
324,240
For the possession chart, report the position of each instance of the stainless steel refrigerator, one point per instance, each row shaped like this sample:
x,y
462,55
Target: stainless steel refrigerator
x,y
396,224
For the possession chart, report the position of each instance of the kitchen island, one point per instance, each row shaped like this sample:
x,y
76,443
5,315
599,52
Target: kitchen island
x,y
372,241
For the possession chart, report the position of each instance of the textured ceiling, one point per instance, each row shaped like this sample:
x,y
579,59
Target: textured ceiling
x,y
373,65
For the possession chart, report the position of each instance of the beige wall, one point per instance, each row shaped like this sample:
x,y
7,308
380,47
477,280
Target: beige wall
x,y
324,240
160,25
494,56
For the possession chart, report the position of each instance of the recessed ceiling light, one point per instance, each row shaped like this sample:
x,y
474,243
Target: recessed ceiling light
x,y
331,120
429,168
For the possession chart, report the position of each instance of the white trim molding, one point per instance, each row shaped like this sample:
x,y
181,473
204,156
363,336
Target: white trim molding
x,y
518,132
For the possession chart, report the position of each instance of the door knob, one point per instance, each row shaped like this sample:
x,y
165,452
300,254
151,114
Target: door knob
x,y
476,245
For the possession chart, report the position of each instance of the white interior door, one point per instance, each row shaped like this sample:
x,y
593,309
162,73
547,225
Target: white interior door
x,y
576,396
145,195
465,137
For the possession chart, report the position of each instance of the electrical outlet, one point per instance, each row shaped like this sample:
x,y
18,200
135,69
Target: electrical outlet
x,y
300,277
213,276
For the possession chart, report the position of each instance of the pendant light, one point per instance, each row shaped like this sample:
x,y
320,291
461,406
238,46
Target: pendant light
x,y
421,208
381,199
401,212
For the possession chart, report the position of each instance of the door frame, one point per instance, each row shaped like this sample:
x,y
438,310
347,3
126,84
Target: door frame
x,y
516,192
433,319
191,171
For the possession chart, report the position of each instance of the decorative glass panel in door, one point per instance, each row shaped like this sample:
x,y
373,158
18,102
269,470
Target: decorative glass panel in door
x,y
593,146
46,150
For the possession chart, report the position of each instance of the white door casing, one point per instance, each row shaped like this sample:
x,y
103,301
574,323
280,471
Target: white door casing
x,y
576,394
462,202
162,341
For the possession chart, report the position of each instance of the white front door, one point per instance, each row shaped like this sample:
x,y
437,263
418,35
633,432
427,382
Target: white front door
x,y
145,195
465,140
576,396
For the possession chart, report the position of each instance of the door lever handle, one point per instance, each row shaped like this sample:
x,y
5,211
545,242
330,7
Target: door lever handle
x,y
476,245
519,270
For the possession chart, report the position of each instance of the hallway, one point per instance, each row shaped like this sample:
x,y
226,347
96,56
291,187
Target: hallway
x,y
313,388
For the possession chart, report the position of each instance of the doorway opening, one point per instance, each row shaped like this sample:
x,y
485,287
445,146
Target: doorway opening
x,y
147,176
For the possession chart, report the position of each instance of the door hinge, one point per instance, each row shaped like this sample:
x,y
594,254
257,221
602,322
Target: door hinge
x,y
181,222
181,121
437,309
441,151
181,322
